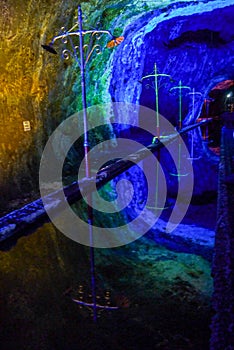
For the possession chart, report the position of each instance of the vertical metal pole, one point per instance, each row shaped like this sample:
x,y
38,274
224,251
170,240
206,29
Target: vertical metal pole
x,y
193,116
156,100
157,133
193,104
87,165
83,89
180,105
180,126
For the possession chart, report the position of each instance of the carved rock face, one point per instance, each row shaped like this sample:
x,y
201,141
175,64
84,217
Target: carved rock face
x,y
192,41
27,79
192,44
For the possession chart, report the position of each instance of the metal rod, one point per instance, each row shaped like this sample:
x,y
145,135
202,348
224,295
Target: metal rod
x,y
156,100
180,105
87,165
180,87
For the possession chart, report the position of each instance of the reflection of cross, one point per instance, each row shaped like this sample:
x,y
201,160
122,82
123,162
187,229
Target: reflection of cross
x,y
82,53
89,304
156,88
180,87
82,297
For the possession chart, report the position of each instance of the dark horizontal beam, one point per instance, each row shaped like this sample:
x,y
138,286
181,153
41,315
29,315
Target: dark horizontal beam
x,y
27,219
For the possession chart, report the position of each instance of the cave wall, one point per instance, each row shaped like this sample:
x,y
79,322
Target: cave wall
x,y
193,43
185,42
222,270
27,79
39,88
44,89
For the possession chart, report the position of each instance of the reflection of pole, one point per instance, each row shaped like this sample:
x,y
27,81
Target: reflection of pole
x,y
155,75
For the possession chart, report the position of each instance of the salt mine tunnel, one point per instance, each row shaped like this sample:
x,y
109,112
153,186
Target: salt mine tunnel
x,y
158,75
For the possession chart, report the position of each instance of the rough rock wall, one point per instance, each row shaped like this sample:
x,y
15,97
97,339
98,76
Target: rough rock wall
x,y
193,43
39,88
223,264
27,79
184,40
43,89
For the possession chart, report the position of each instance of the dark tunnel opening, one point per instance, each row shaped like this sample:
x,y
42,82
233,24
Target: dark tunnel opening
x,y
220,100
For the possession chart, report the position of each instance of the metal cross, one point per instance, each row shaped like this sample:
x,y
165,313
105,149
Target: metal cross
x,y
82,54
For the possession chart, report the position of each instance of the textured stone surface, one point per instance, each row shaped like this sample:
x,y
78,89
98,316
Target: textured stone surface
x,y
223,264
171,40
44,90
27,79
